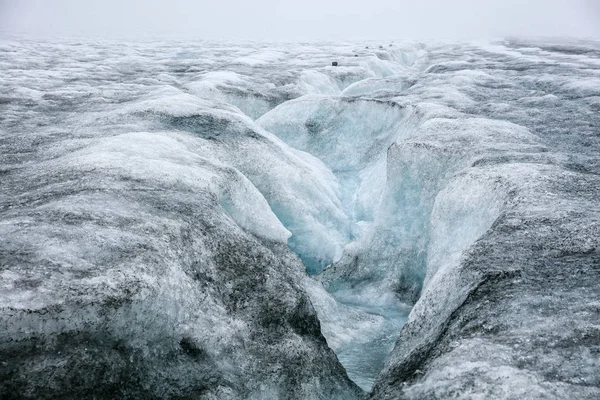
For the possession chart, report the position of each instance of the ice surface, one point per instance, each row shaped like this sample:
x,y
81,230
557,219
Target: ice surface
x,y
380,86
444,198
143,154
251,96
315,82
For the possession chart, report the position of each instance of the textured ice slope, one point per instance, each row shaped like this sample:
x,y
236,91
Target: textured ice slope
x,y
506,175
139,258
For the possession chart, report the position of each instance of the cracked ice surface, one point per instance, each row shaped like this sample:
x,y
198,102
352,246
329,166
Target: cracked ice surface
x,y
161,202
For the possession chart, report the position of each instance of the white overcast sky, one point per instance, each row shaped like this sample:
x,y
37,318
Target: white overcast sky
x,y
281,20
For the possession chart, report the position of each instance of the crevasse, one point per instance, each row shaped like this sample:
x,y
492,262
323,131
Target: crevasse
x,y
402,221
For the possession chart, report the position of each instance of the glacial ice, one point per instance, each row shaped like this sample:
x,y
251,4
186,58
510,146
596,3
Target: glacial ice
x,y
340,133
463,211
162,202
315,82
300,190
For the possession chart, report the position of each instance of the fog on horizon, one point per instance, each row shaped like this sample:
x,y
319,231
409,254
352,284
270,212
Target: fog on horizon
x,y
276,20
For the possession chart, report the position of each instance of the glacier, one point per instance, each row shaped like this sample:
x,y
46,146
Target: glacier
x,y
223,220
